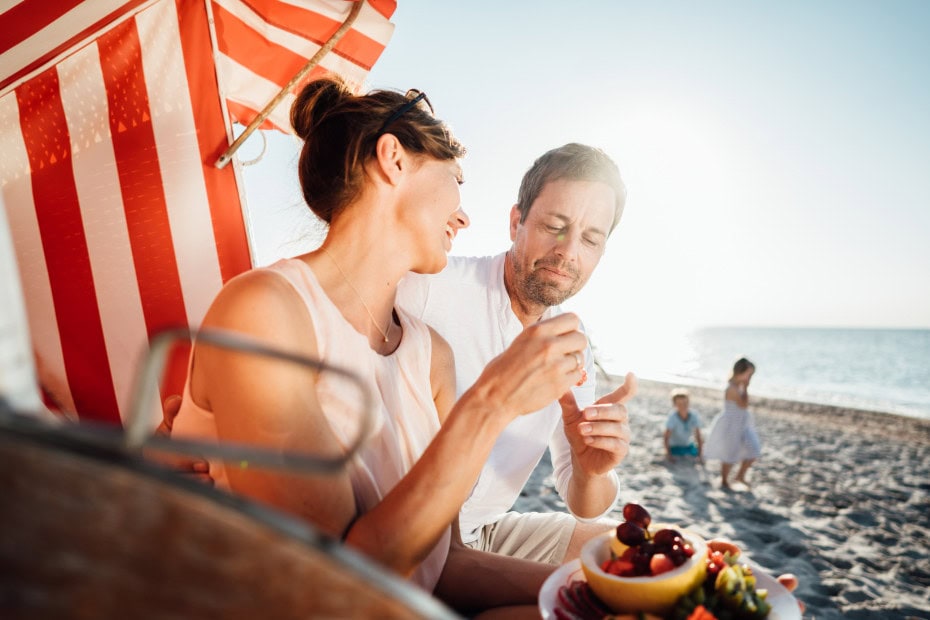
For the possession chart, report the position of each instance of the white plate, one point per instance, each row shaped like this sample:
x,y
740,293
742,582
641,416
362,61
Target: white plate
x,y
784,605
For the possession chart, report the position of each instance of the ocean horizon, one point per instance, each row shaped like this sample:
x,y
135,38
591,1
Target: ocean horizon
x,y
877,369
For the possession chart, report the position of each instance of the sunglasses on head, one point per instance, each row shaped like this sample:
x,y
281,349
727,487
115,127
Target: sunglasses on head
x,y
414,97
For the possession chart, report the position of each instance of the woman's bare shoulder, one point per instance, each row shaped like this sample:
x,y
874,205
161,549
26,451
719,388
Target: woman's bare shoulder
x,y
262,304
251,295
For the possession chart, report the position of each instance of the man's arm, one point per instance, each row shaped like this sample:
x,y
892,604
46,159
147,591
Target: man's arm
x,y
474,580
598,439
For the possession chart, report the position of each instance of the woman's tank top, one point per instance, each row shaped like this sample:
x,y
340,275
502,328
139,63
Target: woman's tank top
x,y
405,414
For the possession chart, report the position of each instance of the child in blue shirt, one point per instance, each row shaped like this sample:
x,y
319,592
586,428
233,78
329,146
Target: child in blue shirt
x,y
683,429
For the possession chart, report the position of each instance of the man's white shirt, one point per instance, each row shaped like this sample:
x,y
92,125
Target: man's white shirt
x,y
468,305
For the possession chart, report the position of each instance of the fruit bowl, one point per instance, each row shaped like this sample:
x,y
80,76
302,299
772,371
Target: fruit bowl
x,y
655,594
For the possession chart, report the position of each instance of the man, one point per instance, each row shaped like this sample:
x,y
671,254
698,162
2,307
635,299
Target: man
x,y
569,202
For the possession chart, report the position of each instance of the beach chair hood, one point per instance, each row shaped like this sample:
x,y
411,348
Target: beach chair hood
x,y
112,117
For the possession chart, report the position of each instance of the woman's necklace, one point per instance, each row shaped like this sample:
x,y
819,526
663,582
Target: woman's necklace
x,y
364,305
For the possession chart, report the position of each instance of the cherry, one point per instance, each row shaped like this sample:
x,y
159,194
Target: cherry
x,y
667,538
646,553
638,515
631,534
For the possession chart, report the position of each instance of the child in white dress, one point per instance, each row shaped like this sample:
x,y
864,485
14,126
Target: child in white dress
x,y
732,438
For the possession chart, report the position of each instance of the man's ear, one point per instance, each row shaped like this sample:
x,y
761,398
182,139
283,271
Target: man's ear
x,y
391,157
514,222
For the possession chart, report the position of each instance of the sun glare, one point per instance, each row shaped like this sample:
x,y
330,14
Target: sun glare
x,y
679,166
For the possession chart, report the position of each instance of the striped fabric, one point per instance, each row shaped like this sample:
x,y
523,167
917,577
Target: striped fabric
x,y
110,121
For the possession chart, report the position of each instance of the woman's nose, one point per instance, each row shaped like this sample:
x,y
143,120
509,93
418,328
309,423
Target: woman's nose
x,y
461,218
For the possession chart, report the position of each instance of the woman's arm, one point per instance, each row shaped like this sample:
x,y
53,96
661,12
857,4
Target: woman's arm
x,y
533,371
269,403
273,404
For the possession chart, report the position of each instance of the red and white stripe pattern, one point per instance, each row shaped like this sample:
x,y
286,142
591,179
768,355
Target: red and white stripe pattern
x,y
108,134
264,43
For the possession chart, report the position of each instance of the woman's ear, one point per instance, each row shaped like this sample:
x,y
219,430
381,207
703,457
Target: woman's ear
x,y
391,157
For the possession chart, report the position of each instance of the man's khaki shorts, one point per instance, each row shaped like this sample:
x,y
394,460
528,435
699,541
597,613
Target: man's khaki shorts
x,y
538,536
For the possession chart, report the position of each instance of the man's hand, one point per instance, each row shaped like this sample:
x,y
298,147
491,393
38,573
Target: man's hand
x,y
600,435
199,469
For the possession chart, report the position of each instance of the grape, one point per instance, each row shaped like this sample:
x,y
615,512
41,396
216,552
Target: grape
x,y
667,538
650,553
637,514
630,534
643,557
676,555
647,549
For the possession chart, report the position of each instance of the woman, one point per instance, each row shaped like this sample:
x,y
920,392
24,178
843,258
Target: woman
x,y
383,173
732,438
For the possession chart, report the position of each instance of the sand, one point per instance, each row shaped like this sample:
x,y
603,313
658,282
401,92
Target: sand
x,y
840,498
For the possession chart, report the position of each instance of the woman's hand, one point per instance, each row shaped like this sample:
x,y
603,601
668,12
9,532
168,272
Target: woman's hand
x,y
195,468
541,364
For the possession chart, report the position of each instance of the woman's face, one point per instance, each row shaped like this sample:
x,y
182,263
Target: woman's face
x,y
434,214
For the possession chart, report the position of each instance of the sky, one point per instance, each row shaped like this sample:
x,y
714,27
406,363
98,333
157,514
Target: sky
x,y
776,155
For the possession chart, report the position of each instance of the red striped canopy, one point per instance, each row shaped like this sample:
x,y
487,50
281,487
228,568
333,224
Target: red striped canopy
x,y
112,114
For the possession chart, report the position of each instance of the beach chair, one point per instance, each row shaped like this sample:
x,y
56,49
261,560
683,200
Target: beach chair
x,y
113,118
117,226
91,531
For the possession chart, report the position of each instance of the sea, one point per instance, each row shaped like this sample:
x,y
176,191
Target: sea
x,y
884,370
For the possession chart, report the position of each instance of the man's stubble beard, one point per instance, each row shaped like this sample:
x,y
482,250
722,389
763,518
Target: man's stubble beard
x,y
532,287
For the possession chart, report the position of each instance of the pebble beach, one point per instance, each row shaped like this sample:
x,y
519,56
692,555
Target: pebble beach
x,y
840,497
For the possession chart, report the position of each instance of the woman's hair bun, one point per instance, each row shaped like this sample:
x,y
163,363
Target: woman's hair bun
x,y
314,101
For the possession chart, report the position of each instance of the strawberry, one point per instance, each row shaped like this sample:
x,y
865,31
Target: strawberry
x,y
701,613
618,566
715,562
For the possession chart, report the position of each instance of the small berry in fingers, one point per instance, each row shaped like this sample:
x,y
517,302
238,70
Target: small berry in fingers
x,y
584,377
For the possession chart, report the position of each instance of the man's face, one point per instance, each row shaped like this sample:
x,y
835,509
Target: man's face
x,y
558,246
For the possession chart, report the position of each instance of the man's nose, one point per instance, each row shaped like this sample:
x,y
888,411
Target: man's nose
x,y
567,245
